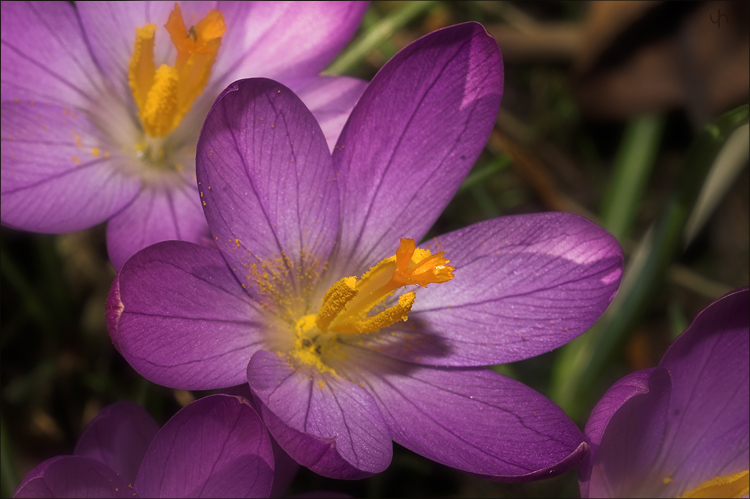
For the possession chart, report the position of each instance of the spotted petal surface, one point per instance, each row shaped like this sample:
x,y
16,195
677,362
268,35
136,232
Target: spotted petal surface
x,y
523,285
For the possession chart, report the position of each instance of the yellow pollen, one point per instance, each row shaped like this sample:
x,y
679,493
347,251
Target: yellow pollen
x,y
347,307
335,300
377,322
734,485
165,96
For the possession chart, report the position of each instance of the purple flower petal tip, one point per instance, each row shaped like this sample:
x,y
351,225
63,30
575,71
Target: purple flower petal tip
x,y
567,464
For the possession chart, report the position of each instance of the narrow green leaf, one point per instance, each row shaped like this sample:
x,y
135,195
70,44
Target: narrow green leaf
x,y
379,33
634,162
577,373
8,472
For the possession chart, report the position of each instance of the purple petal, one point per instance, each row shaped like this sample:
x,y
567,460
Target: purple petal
x,y
708,421
216,446
472,419
58,175
285,468
283,40
284,471
44,56
118,437
158,214
180,318
624,431
411,140
266,178
324,422
331,100
523,285
74,476
628,449
657,442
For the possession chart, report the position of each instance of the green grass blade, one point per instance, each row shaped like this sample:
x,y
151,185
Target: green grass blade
x,y
379,33
633,165
578,371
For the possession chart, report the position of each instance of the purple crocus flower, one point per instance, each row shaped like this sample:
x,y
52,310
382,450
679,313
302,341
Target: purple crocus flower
x,y
216,446
679,429
102,104
337,369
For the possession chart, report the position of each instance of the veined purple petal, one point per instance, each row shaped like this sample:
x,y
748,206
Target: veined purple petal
x,y
285,468
475,420
58,175
709,413
624,432
324,422
158,213
411,140
283,40
330,99
523,285
74,476
216,446
45,57
118,437
177,314
268,188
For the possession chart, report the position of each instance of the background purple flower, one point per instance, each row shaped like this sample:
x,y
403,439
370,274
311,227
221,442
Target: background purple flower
x,y
216,446
668,431
290,220
76,149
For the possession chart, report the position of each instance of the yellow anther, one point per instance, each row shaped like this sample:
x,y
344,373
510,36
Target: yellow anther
x,y
347,308
388,317
734,485
335,300
409,266
171,92
141,70
158,113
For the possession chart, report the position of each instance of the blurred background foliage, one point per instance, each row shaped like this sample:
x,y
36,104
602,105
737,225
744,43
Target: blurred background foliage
x,y
623,112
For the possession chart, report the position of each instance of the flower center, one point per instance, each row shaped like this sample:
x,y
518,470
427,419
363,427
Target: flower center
x,y
734,485
354,307
165,95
